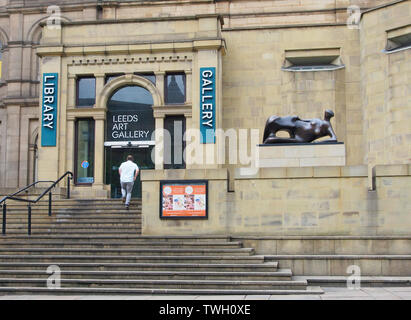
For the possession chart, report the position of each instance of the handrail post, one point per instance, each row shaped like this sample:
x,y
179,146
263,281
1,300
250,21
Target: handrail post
x,y
4,218
50,199
68,186
29,220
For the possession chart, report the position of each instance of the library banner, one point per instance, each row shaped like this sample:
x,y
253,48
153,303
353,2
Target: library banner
x,y
49,110
184,199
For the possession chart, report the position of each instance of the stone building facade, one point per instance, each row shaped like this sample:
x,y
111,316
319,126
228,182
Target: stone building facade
x,y
270,57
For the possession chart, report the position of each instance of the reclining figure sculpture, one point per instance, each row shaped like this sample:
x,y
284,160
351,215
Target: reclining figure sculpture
x,y
300,131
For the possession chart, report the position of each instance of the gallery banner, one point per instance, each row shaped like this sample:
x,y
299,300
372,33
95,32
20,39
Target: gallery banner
x,y
183,199
207,105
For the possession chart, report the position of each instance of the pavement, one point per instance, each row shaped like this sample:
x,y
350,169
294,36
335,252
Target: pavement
x,y
330,293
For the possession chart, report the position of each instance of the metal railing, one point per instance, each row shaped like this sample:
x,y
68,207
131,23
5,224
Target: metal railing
x,y
13,196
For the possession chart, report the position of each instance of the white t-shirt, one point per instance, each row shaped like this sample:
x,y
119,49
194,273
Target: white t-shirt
x,y
128,170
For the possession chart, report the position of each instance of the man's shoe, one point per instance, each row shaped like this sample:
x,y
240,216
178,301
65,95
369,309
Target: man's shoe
x,y
127,206
124,200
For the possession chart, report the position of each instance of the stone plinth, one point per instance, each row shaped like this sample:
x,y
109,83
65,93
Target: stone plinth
x,y
301,155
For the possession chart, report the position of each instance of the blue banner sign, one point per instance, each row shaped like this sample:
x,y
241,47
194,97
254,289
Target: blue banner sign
x,y
207,105
49,110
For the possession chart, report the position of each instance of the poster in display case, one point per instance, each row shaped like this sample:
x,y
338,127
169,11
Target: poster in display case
x,y
184,199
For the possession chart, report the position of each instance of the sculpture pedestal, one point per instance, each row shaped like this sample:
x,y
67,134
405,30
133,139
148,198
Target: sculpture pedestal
x,y
301,155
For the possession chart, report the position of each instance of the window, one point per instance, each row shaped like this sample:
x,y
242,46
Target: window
x,y
130,98
398,40
86,92
84,151
110,77
148,76
312,60
175,146
175,88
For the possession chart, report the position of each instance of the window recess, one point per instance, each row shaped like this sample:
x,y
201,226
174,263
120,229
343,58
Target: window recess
x,y
312,60
398,39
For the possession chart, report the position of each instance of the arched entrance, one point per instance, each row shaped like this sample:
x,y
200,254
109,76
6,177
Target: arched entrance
x,y
129,130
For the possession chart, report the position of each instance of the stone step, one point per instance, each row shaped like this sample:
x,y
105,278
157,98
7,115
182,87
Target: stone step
x,y
279,275
336,265
59,204
143,259
37,208
122,264
75,230
77,226
157,284
86,245
76,202
45,233
81,219
44,207
72,211
366,281
150,291
134,251
73,220
115,238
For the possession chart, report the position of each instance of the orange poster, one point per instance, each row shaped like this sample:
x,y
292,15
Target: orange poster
x,y
184,199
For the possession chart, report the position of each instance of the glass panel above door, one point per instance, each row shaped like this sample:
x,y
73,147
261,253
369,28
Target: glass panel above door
x,y
130,115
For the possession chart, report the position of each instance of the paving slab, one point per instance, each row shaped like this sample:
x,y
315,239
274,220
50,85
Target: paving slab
x,y
234,297
171,297
348,293
347,298
399,289
387,298
330,293
295,297
257,297
379,292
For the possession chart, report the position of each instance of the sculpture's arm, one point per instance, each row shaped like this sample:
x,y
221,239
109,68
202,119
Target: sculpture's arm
x,y
331,133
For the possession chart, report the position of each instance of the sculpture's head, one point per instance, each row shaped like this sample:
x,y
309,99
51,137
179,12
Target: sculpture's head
x,y
328,115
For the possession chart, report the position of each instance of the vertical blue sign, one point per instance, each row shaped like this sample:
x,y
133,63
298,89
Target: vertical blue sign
x,y
207,105
49,110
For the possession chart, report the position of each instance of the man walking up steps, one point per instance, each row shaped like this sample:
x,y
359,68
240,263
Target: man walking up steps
x,y
128,174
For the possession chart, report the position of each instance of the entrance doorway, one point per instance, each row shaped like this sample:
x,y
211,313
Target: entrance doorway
x,y
129,131
116,156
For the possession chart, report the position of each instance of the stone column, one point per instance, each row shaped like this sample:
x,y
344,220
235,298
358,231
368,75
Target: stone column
x,y
160,75
13,146
70,143
189,124
71,95
188,86
159,148
99,150
100,83
15,57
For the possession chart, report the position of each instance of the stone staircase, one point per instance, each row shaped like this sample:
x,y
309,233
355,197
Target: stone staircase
x,y
98,246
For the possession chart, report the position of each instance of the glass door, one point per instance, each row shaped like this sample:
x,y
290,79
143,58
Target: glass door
x,y
116,156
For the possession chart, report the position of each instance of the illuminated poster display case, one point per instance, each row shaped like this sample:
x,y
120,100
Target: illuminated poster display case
x,y
187,199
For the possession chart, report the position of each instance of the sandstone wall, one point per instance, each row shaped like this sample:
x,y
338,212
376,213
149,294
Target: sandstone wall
x,y
291,201
385,88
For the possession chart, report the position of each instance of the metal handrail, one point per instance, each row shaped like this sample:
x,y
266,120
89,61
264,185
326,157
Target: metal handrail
x,y
22,190
69,175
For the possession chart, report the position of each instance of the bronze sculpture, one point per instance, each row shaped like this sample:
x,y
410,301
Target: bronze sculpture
x,y
300,131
